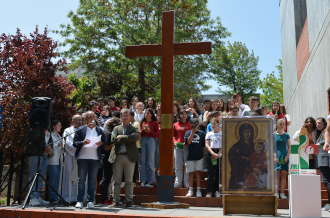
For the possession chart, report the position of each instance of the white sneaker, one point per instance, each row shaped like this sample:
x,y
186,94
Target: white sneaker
x,y
34,202
177,185
90,205
326,207
79,205
276,194
134,185
122,184
186,185
143,184
217,194
199,194
190,194
208,195
205,170
282,195
43,202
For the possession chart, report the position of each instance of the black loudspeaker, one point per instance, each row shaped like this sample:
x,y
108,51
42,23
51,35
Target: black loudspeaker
x,y
41,113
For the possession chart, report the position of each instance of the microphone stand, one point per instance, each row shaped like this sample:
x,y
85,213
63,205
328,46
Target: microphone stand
x,y
92,123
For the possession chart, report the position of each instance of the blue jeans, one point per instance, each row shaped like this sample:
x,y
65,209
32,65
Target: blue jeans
x,y
147,170
33,165
54,172
90,167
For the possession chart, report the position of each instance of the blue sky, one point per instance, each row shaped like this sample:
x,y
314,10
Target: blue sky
x,y
255,23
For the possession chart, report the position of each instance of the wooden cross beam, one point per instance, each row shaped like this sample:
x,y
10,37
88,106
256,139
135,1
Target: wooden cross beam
x,y
167,50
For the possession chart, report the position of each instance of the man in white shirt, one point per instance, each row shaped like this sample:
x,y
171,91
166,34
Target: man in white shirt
x,y
88,158
253,102
69,187
237,99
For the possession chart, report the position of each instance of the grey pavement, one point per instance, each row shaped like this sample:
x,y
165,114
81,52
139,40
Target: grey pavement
x,y
190,212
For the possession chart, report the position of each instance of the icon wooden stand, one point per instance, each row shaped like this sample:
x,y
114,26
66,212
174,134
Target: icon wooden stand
x,y
247,204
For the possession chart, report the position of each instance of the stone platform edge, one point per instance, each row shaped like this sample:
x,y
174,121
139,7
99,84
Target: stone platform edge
x,y
30,213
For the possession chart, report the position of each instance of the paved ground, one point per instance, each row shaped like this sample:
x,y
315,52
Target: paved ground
x,y
138,210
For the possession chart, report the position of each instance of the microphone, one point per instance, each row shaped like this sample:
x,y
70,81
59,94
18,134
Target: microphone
x,y
80,128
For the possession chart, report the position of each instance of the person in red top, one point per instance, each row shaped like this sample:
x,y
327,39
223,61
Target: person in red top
x,y
149,131
180,152
112,104
277,113
100,104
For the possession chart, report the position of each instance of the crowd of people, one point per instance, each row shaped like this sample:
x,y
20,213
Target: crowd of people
x,y
109,143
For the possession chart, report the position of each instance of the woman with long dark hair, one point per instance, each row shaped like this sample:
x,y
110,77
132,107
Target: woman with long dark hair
x,y
149,131
54,162
151,103
193,111
221,105
227,107
123,104
322,157
309,129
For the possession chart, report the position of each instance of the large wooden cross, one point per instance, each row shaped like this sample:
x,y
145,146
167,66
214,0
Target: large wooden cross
x,y
167,50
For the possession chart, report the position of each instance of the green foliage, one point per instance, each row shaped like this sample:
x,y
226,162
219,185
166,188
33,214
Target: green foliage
x,y
3,201
237,69
100,30
272,87
85,90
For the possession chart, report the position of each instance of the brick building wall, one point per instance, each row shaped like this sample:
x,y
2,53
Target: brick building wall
x,y
302,51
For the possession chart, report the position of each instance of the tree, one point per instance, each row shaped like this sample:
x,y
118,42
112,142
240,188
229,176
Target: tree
x,y
27,70
237,69
100,30
85,90
272,87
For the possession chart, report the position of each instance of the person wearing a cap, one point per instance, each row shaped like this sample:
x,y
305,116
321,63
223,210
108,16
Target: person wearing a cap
x,y
195,139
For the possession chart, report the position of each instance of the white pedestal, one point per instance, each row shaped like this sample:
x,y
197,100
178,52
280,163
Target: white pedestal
x,y
305,196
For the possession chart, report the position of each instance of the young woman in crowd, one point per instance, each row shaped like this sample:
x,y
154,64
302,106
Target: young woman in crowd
x,y
227,108
106,115
309,129
135,100
287,116
221,105
180,153
322,157
277,113
152,105
106,165
213,144
123,104
207,114
176,109
149,131
139,112
54,163
193,110
281,157
264,110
